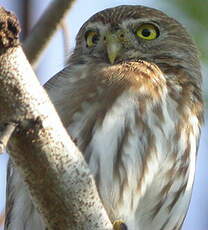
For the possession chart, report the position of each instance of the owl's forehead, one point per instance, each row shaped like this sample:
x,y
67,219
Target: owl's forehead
x,y
125,13
117,14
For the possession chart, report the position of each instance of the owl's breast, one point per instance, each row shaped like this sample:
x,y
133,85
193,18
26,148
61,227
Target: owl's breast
x,y
131,138
131,149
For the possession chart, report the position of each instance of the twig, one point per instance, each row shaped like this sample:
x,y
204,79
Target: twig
x,y
45,28
5,134
56,174
66,38
25,14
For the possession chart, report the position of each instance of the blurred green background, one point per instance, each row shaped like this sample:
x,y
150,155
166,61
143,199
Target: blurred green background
x,y
194,15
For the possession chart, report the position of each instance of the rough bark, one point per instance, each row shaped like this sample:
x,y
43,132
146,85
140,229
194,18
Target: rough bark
x,y
45,28
54,170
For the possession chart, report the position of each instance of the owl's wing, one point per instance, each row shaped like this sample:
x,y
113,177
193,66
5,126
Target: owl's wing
x,y
60,90
20,211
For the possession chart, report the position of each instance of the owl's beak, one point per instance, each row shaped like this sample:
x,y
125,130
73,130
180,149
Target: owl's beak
x,y
113,46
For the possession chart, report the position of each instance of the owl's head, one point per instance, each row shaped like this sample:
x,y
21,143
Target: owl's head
x,y
126,33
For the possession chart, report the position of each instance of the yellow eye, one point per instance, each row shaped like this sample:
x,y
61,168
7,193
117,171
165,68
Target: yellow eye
x,y
148,32
91,38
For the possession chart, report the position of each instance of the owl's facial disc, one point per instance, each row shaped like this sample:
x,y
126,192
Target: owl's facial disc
x,y
117,41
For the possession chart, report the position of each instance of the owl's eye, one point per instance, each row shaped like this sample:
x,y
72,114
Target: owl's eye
x,y
148,32
91,38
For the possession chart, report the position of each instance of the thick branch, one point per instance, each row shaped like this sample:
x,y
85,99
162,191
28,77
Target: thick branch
x,y
45,28
53,168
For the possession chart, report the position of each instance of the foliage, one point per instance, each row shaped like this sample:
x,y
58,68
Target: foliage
x,y
196,10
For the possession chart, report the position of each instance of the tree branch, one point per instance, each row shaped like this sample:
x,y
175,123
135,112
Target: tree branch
x,y
54,170
45,28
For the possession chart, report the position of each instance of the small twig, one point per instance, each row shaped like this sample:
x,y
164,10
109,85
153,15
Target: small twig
x,y
26,19
43,31
5,134
66,38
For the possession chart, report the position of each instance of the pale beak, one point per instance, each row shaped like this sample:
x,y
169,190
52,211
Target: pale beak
x,y
113,46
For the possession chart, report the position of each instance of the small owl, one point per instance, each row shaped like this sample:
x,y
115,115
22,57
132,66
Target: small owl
x,y
130,98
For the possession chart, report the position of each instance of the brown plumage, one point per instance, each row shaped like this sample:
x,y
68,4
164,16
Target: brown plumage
x,y
130,98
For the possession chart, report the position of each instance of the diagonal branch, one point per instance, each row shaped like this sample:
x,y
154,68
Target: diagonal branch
x,y
54,170
45,28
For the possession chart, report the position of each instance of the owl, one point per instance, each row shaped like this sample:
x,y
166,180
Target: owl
x,y
130,98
